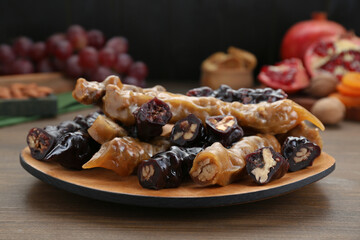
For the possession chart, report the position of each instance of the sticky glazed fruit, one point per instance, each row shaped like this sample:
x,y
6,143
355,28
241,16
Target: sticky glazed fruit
x,y
289,75
265,164
300,152
336,55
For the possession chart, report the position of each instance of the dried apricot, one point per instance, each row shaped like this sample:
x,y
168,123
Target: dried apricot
x,y
348,91
352,79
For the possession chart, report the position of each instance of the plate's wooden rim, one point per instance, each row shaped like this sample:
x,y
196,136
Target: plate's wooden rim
x,y
174,202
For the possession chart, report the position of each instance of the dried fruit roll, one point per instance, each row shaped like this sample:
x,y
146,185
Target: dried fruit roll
x,y
123,155
167,169
303,130
221,166
265,164
104,129
92,92
274,118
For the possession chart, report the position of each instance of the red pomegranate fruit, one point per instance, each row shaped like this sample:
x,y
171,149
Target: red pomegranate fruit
x,y
336,55
289,75
301,35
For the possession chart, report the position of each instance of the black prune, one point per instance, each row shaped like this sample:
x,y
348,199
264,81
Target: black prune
x,y
73,149
86,122
200,92
151,117
300,152
188,132
243,95
223,129
42,141
167,169
265,164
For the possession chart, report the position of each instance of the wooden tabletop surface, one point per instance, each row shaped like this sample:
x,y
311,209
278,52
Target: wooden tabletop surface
x,y
327,209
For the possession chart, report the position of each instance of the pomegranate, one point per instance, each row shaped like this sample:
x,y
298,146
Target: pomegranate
x,y
336,55
301,35
289,75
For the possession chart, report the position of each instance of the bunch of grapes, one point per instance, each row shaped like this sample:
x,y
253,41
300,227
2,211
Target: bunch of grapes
x,y
77,53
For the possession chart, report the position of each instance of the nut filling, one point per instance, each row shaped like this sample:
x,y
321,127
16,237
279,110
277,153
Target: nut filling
x,y
265,164
205,172
261,174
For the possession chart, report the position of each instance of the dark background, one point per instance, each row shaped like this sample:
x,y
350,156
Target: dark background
x,y
173,37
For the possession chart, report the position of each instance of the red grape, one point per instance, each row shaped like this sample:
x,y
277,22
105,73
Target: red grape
x,y
58,64
119,44
73,68
123,63
21,46
138,70
63,50
6,54
22,66
100,74
134,81
44,65
107,57
53,40
77,37
96,38
88,58
38,51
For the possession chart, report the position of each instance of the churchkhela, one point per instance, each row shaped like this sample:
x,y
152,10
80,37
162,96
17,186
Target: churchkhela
x,y
209,137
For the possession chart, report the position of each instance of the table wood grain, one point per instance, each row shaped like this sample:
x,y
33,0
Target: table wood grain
x,y
328,209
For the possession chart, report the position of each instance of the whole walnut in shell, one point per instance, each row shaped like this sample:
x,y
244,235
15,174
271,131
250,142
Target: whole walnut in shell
x,y
329,110
322,85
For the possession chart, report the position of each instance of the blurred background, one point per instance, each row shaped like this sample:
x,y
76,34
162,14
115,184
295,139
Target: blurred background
x,y
174,37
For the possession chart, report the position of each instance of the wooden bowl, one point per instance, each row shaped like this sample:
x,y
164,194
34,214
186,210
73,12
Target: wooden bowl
x,y
235,78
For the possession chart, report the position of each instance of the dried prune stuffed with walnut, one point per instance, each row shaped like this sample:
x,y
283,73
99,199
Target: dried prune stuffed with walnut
x,y
188,132
73,149
200,92
150,118
265,164
42,140
223,129
167,169
242,95
300,152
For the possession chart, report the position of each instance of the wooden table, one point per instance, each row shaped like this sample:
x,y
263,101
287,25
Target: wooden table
x,y
328,209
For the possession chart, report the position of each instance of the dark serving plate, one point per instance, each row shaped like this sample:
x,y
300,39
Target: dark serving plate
x,y
105,185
